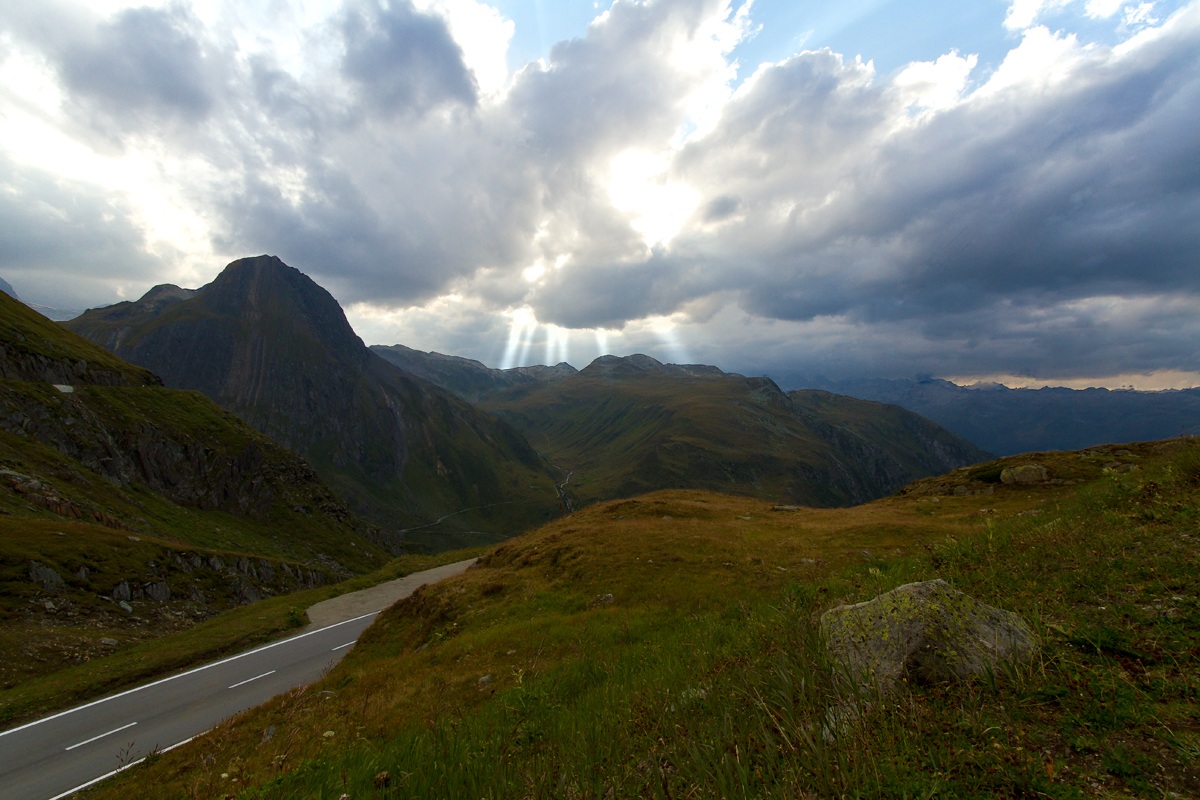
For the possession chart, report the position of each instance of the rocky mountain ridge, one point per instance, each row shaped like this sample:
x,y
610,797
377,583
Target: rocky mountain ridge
x,y
267,343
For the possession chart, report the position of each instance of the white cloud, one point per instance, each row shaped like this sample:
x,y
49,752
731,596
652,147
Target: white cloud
x,y
1103,9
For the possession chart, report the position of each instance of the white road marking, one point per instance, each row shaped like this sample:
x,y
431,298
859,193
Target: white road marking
x,y
248,680
340,646
94,781
180,675
101,736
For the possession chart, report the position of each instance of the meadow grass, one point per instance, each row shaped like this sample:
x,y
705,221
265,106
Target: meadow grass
x,y
704,675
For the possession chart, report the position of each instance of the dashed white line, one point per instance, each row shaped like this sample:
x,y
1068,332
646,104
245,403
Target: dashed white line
x,y
340,646
101,736
248,680
280,643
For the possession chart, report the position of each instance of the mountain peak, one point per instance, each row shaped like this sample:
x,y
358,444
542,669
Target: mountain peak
x,y
284,302
615,366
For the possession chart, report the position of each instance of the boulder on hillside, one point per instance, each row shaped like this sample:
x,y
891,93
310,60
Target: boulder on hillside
x,y
1024,474
924,631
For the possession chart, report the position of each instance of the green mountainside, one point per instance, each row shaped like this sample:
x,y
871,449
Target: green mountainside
x,y
668,646
625,426
465,377
128,509
268,344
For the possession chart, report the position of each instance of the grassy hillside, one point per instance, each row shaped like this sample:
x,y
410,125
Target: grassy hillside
x,y
625,426
129,511
666,646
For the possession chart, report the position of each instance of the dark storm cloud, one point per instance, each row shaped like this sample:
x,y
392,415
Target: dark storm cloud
x,y
403,60
143,66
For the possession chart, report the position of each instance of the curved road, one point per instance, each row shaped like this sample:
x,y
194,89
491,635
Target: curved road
x,y
53,757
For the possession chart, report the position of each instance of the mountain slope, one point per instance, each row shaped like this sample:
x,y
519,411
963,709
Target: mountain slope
x,y
267,343
465,377
625,426
1007,421
128,509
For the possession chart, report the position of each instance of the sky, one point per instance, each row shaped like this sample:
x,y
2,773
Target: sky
x,y
871,188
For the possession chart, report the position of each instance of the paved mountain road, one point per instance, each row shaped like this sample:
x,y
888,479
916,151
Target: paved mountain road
x,y
62,753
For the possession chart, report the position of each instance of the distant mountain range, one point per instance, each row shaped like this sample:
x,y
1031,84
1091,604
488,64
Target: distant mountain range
x,y
58,314
1008,421
625,426
267,343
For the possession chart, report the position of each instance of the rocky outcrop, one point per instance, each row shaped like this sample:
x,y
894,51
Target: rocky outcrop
x,y
925,632
1024,475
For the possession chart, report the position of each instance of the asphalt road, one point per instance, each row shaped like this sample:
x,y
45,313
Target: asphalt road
x,y
65,752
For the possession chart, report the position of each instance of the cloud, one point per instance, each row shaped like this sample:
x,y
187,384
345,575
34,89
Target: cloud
x,y
629,191
403,61
70,242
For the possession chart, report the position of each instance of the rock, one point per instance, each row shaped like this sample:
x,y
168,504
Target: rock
x,y
122,591
128,609
158,591
601,600
1024,474
50,580
109,642
485,680
926,632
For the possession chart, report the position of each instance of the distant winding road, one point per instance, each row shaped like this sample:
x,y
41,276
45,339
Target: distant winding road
x,y
53,757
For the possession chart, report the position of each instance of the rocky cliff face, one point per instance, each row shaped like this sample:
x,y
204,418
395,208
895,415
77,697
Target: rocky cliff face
x,y
270,345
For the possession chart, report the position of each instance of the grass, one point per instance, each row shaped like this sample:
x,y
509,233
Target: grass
x,y
703,674
157,656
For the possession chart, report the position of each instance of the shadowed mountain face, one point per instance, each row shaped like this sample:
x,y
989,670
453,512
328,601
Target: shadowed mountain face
x,y
267,343
624,426
465,377
1009,421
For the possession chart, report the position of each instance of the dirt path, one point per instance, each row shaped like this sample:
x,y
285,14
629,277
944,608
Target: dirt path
x,y
377,598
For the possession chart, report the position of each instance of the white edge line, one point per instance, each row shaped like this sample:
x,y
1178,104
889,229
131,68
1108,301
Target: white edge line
x,y
101,736
181,674
106,775
341,646
249,680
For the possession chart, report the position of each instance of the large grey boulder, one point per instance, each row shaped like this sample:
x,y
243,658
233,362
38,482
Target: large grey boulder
x,y
1024,475
926,632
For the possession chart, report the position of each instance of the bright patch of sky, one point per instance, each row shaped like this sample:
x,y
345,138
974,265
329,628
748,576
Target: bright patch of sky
x,y
888,33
